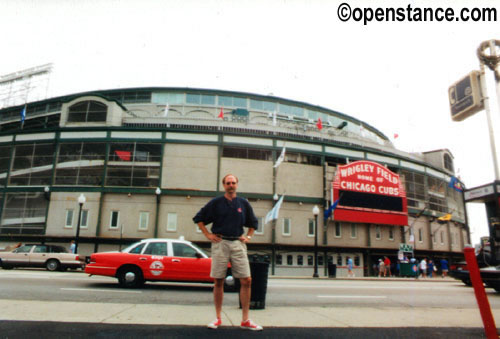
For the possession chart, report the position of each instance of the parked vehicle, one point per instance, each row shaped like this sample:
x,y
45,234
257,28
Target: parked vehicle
x,y
155,260
52,257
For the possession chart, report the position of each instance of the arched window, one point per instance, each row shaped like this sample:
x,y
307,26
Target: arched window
x,y
448,162
88,111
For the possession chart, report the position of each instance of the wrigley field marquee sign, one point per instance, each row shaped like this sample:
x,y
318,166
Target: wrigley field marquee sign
x,y
369,193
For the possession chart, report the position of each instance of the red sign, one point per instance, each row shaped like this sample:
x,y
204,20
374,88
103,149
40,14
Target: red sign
x,y
369,193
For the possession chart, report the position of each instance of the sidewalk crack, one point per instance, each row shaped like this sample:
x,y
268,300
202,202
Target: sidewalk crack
x,y
117,313
228,318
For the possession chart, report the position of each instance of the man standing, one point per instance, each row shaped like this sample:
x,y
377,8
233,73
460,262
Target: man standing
x,y
387,264
423,268
229,214
350,273
444,267
72,247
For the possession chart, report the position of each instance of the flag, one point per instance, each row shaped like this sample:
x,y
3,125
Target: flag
x,y
444,218
319,124
273,214
165,113
455,184
330,209
281,158
23,114
396,135
221,114
124,155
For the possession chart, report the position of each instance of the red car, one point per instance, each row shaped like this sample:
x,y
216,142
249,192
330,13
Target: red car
x,y
154,260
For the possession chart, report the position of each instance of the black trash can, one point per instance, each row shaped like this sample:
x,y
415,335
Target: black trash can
x,y
332,270
259,269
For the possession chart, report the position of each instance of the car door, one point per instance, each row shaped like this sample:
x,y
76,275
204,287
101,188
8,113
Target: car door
x,y
38,255
188,264
154,261
18,257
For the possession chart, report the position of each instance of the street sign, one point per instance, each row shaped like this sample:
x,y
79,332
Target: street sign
x,y
465,97
405,248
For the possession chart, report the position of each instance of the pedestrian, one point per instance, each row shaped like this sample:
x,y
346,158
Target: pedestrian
x,y
228,215
444,267
430,268
350,273
381,268
387,264
72,247
423,268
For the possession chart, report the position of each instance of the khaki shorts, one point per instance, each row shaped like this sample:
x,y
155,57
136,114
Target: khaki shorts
x,y
226,251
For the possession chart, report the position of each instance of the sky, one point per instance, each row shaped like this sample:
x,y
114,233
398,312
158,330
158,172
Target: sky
x,y
392,75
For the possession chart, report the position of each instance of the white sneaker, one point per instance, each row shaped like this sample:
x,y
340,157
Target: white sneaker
x,y
250,325
214,324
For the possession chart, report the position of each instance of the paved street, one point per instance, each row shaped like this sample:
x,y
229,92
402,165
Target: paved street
x,y
31,299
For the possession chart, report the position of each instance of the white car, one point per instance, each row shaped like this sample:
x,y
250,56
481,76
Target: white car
x,y
52,257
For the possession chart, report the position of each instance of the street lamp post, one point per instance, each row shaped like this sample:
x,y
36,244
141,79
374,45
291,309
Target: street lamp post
x,y
158,199
81,201
315,213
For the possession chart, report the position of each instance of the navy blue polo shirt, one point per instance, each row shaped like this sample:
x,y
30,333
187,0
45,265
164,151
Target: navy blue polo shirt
x,y
228,217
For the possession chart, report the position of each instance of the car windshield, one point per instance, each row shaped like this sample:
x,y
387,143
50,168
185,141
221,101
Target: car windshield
x,y
23,249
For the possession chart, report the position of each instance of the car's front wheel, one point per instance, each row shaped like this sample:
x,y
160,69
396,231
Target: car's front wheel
x,y
130,277
52,265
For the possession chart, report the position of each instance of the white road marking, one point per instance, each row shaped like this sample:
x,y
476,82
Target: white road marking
x,y
96,290
353,296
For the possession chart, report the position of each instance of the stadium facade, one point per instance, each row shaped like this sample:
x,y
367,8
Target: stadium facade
x,y
147,159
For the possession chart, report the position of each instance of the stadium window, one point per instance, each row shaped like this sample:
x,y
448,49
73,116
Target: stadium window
x,y
27,220
260,227
279,259
354,232
289,260
256,104
301,158
448,162
378,232
320,260
330,259
309,260
338,230
32,165
442,237
287,226
84,220
357,261
172,222
88,111
310,229
339,260
143,220
420,235
193,98
69,218
300,260
114,219
391,233
246,153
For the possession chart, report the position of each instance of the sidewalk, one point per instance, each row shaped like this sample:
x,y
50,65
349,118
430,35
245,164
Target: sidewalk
x,y
152,314
436,279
